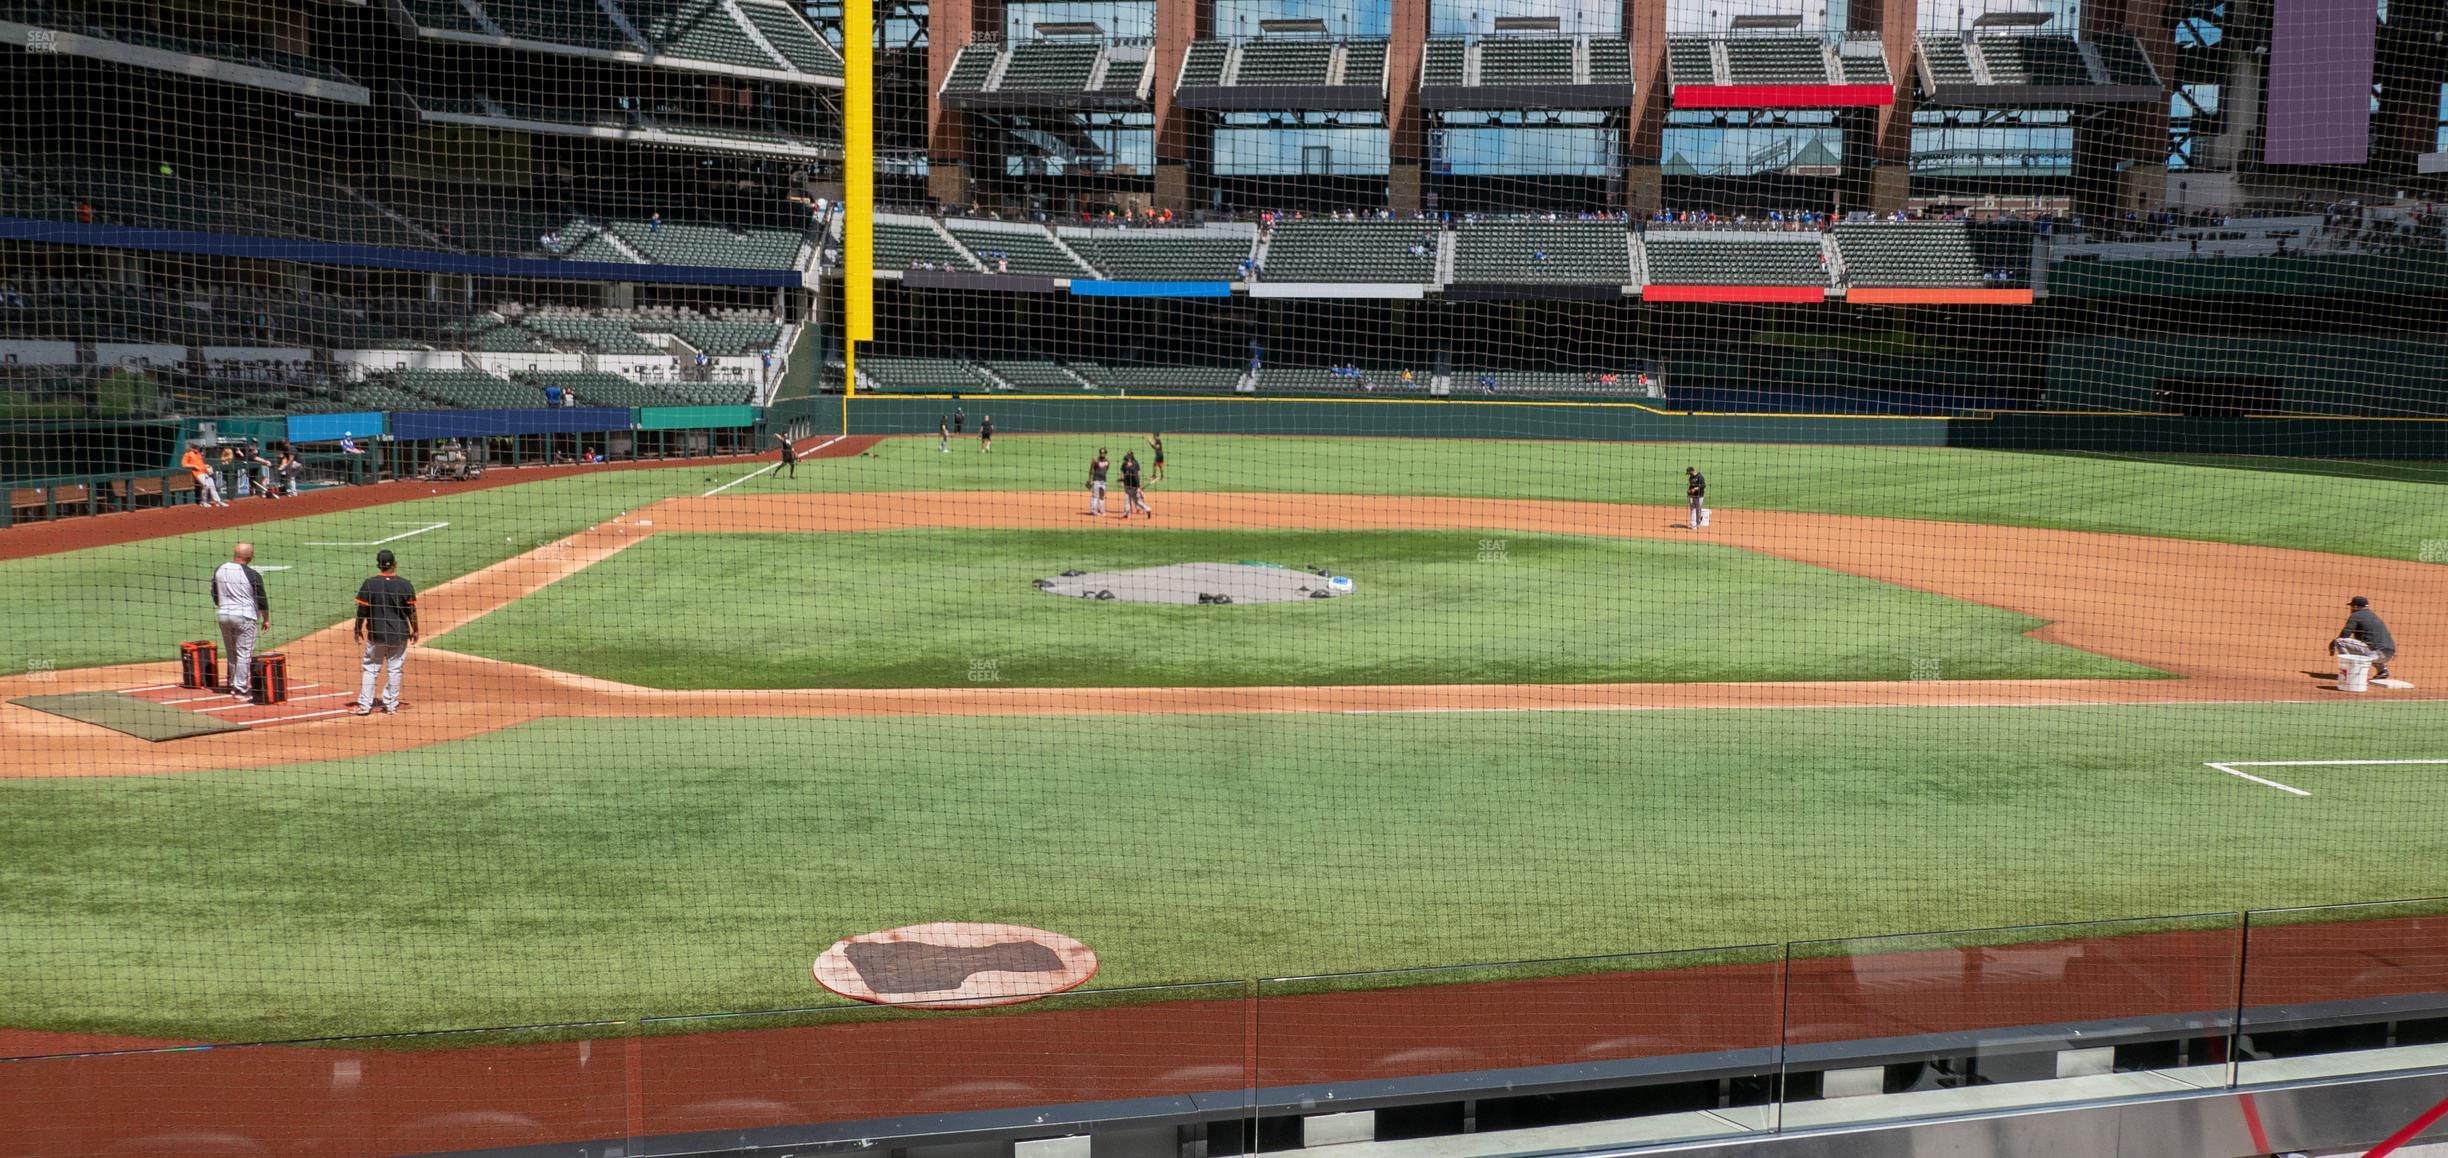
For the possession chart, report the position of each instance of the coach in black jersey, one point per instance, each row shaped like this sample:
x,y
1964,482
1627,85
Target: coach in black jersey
x,y
1695,488
386,625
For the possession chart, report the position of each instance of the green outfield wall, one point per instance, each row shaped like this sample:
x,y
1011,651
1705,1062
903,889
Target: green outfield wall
x,y
1626,422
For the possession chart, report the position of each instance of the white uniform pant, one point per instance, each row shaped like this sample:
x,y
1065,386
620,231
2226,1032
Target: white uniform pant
x,y
238,643
382,659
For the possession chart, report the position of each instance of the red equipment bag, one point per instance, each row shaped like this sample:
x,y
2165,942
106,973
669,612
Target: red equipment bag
x,y
271,678
199,664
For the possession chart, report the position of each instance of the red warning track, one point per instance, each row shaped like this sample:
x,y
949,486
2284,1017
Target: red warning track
x,y
28,540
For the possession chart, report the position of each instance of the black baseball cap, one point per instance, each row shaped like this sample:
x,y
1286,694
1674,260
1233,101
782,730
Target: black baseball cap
x,y
2358,601
384,559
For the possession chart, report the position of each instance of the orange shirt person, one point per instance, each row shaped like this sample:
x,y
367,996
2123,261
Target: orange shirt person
x,y
208,483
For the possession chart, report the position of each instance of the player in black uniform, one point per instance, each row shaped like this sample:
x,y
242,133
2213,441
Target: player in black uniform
x,y
1096,485
960,418
790,455
1695,488
1133,500
1156,443
986,434
386,625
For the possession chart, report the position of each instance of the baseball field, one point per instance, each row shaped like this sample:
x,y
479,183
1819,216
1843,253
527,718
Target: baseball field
x,y
671,732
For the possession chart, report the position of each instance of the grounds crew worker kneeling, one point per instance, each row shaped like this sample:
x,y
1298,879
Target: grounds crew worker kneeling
x,y
2364,624
386,625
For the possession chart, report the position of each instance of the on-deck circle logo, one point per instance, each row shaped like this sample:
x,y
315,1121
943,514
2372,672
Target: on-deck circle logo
x,y
955,965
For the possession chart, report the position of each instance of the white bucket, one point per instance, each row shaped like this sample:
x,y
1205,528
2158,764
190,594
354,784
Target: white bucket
x,y
1704,516
2354,673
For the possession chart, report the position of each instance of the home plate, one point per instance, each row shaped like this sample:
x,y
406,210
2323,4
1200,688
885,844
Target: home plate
x,y
2399,685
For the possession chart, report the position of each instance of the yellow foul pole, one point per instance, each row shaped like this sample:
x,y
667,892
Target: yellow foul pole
x,y
858,190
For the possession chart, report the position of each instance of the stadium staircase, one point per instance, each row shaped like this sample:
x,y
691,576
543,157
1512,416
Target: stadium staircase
x,y
620,20
756,36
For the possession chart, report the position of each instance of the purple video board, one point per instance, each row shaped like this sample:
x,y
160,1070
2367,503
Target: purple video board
x,y
2320,79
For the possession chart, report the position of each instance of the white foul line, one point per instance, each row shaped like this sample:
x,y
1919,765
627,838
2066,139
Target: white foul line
x,y
2258,780
291,700
286,719
392,539
771,466
2322,763
2230,767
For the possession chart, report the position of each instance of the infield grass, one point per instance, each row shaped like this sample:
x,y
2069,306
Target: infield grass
x,y
937,608
575,869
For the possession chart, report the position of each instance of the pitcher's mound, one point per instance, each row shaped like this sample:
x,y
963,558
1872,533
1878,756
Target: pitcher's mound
x,y
1187,582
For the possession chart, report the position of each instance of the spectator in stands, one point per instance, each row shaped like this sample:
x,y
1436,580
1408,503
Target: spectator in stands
x,y
287,472
85,213
207,480
654,222
1487,383
552,395
592,456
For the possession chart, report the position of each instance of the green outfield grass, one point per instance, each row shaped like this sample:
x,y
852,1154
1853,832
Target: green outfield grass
x,y
2386,510
599,868
941,608
136,601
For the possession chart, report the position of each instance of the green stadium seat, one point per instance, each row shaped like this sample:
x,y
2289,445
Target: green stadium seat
x,y
1327,250
1031,251
1565,252
1164,254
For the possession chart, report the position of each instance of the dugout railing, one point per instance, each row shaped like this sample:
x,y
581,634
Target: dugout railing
x,y
1722,1048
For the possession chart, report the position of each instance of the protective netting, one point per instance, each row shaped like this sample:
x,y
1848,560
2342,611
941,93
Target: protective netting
x,y
1711,501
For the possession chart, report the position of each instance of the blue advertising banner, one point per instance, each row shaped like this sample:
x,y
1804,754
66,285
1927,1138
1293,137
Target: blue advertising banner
x,y
334,427
1150,289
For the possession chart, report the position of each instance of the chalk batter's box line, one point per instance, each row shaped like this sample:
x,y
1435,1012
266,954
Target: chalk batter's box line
x,y
2234,768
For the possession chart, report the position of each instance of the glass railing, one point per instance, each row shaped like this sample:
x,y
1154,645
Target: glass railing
x,y
1538,1056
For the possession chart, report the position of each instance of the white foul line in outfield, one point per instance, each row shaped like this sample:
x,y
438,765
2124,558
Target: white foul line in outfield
x,y
2231,767
392,539
771,466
